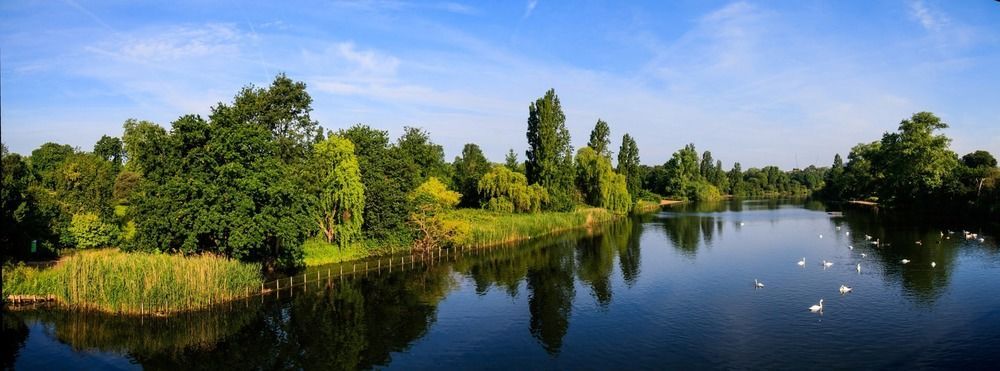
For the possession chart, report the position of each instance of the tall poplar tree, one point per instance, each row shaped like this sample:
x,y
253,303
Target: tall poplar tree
x,y
549,155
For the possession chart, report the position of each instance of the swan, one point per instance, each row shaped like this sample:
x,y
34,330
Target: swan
x,y
848,233
802,262
742,224
981,240
844,289
817,308
758,284
864,255
942,233
867,237
859,267
904,261
920,242
838,227
827,264
933,264
820,235
850,247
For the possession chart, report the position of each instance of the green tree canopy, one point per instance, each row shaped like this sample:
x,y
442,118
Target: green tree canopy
x,y
628,165
110,149
505,190
387,177
549,155
469,168
914,160
341,196
600,139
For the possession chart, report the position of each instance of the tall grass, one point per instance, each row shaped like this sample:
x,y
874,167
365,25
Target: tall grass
x,y
113,281
492,228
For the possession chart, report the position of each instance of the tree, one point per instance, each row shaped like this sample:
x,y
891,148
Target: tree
x,y
834,181
628,166
341,198
429,200
549,155
737,186
682,171
599,184
599,139
18,222
505,190
424,156
284,110
387,178
914,159
46,158
87,231
469,168
231,185
978,166
110,149
707,167
512,163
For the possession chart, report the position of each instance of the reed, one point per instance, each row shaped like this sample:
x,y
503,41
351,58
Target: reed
x,y
493,228
136,283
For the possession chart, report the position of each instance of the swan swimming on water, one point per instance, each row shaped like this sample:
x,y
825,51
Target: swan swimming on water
x,y
802,262
844,289
933,264
850,247
904,261
827,264
859,267
817,308
758,284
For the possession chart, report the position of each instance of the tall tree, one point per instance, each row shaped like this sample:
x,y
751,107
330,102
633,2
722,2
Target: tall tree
x,y
110,149
341,196
426,157
549,155
737,187
916,161
469,168
46,158
387,178
600,139
707,168
512,163
284,109
628,165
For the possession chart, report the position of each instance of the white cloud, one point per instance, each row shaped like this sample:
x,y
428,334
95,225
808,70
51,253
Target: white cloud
x,y
927,19
529,8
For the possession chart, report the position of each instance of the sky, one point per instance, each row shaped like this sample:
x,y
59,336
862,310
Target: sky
x,y
786,83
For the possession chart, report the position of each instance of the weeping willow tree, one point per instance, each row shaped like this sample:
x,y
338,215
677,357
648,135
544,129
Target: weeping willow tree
x,y
341,198
599,183
504,190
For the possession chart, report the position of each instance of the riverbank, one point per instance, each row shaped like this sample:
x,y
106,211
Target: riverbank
x,y
485,228
112,281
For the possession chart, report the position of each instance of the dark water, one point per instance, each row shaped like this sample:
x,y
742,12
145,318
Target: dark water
x,y
672,290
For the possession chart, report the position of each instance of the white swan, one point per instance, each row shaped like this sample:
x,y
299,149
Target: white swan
x,y
802,262
848,233
933,264
859,267
863,255
820,235
817,308
844,289
904,261
850,247
758,284
742,224
981,240
920,242
827,264
838,227
867,237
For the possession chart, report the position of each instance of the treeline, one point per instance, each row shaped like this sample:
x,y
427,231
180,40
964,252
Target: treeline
x,y
688,176
259,176
914,167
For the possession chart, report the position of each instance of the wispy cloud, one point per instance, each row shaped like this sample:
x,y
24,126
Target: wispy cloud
x,y
529,8
930,21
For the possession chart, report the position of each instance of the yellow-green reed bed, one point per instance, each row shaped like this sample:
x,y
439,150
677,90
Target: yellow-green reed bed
x,y
136,283
490,228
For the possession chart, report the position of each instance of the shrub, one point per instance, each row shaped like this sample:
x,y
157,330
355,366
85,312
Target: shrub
x,y
88,231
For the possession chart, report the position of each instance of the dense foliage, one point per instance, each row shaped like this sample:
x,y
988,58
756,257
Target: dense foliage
x,y
550,155
258,178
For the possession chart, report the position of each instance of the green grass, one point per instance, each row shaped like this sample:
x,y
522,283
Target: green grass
x,y
319,252
490,228
112,281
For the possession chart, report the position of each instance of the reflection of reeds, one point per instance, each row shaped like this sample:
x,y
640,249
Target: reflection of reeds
x,y
136,283
88,330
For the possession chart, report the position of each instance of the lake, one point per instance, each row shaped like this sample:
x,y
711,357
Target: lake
x,y
667,290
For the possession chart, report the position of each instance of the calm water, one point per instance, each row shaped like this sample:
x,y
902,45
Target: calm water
x,y
667,290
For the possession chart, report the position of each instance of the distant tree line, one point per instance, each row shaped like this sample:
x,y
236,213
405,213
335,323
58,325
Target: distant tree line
x,y
259,176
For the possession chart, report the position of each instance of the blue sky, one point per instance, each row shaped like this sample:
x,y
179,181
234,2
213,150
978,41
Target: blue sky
x,y
772,82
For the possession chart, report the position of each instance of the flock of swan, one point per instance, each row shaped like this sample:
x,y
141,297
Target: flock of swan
x,y
844,289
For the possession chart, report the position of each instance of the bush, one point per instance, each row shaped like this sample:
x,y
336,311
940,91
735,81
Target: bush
x,y
507,191
87,230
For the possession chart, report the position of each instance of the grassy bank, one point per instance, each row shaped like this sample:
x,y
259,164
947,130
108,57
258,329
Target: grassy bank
x,y
485,228
113,281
